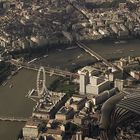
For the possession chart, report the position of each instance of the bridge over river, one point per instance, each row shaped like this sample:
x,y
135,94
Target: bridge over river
x,y
49,70
96,55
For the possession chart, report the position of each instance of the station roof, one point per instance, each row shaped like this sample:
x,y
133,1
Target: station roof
x,y
131,101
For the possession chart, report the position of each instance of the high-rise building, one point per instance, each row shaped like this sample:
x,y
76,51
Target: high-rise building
x,y
119,84
83,82
79,135
90,83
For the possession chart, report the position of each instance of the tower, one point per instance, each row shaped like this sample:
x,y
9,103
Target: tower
x,y
83,82
79,135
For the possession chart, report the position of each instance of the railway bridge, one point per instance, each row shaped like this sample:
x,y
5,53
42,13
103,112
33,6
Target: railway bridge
x,y
94,54
49,70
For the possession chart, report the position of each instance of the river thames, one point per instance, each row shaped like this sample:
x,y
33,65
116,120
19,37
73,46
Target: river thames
x,y
13,101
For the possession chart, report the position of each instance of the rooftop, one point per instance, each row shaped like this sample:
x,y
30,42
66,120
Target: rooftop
x,y
64,110
131,101
46,104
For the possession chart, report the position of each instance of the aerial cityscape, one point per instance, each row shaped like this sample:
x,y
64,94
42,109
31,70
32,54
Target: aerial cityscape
x,y
69,70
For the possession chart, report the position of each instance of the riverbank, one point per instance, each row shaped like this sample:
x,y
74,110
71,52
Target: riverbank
x,y
5,70
13,101
29,52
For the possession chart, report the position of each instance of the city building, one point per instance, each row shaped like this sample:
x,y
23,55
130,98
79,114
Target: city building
x,y
79,135
77,102
91,82
135,74
65,113
83,81
47,108
118,74
97,85
119,83
53,134
30,130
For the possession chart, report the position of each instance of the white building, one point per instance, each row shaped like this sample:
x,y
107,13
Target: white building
x,y
90,83
83,82
97,85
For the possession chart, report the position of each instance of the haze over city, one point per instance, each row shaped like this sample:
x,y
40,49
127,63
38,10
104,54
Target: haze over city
x,y
69,70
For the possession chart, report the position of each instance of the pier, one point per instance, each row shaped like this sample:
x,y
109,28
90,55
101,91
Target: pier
x,y
13,119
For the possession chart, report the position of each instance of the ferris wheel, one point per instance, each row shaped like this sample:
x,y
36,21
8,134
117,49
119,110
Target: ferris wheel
x,y
41,81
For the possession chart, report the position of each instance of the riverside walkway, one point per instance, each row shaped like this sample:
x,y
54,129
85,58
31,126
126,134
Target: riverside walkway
x,y
13,119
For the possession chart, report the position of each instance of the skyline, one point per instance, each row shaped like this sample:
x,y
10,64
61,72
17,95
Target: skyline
x,y
69,70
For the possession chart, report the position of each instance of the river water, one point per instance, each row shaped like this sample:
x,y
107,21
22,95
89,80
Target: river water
x,y
13,101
